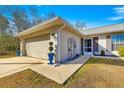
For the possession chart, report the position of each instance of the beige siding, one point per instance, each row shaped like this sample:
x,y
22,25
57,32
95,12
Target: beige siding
x,y
106,45
38,46
103,44
64,35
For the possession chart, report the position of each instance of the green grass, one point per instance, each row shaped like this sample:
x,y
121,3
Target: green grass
x,y
95,73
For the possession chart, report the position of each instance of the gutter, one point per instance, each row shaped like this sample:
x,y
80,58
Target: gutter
x,y
58,42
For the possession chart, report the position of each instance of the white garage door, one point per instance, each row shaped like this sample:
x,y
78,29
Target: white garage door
x,y
38,46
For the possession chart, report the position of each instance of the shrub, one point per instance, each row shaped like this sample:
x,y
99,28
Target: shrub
x,y
8,44
102,52
51,48
50,43
121,51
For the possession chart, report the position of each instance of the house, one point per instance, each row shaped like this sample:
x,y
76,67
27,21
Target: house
x,y
68,41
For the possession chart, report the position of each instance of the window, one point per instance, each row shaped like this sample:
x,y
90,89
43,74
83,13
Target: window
x,y
117,41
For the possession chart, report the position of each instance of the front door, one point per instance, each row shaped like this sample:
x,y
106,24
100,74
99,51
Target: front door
x,y
88,46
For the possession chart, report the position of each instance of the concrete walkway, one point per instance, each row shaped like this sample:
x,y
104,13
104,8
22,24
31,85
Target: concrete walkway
x,y
13,65
59,73
62,72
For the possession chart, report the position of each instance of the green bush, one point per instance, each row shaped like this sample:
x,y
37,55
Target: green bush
x,y
102,52
8,44
51,48
121,51
50,43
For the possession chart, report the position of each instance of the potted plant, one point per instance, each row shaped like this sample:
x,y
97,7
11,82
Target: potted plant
x,y
51,54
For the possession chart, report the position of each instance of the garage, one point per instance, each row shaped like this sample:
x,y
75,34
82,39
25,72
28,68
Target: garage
x,y
38,46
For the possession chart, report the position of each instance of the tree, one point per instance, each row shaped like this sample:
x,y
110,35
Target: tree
x,y
3,24
36,17
8,44
20,19
80,25
12,29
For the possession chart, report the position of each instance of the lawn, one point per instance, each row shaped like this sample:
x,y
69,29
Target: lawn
x,y
96,72
11,54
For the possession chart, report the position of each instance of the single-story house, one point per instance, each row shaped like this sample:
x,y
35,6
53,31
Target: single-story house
x,y
69,42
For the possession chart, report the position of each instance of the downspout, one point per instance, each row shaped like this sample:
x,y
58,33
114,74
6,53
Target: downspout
x,y
58,42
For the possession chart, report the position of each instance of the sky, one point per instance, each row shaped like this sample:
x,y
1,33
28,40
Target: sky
x,y
92,15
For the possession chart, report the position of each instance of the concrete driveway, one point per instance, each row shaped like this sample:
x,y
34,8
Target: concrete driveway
x,y
57,72
12,65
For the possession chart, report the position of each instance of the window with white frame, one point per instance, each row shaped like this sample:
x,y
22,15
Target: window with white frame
x,y
117,41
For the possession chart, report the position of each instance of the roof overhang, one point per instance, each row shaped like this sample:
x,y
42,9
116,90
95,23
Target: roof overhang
x,y
57,21
105,29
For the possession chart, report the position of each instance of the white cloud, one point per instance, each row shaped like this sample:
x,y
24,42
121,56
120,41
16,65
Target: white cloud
x,y
119,10
117,18
119,14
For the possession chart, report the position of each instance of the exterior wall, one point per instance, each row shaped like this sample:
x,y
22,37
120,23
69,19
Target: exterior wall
x,y
22,47
102,43
106,45
38,46
64,35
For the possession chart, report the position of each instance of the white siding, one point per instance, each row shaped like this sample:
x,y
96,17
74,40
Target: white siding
x,y
109,46
106,45
102,43
64,35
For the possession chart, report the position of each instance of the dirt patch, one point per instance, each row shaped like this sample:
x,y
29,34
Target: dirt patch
x,y
26,79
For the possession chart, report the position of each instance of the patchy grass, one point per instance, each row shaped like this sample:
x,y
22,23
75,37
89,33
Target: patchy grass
x,y
12,54
99,73
96,73
6,56
26,79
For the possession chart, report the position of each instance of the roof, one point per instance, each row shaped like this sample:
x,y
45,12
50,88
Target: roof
x,y
105,29
57,21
